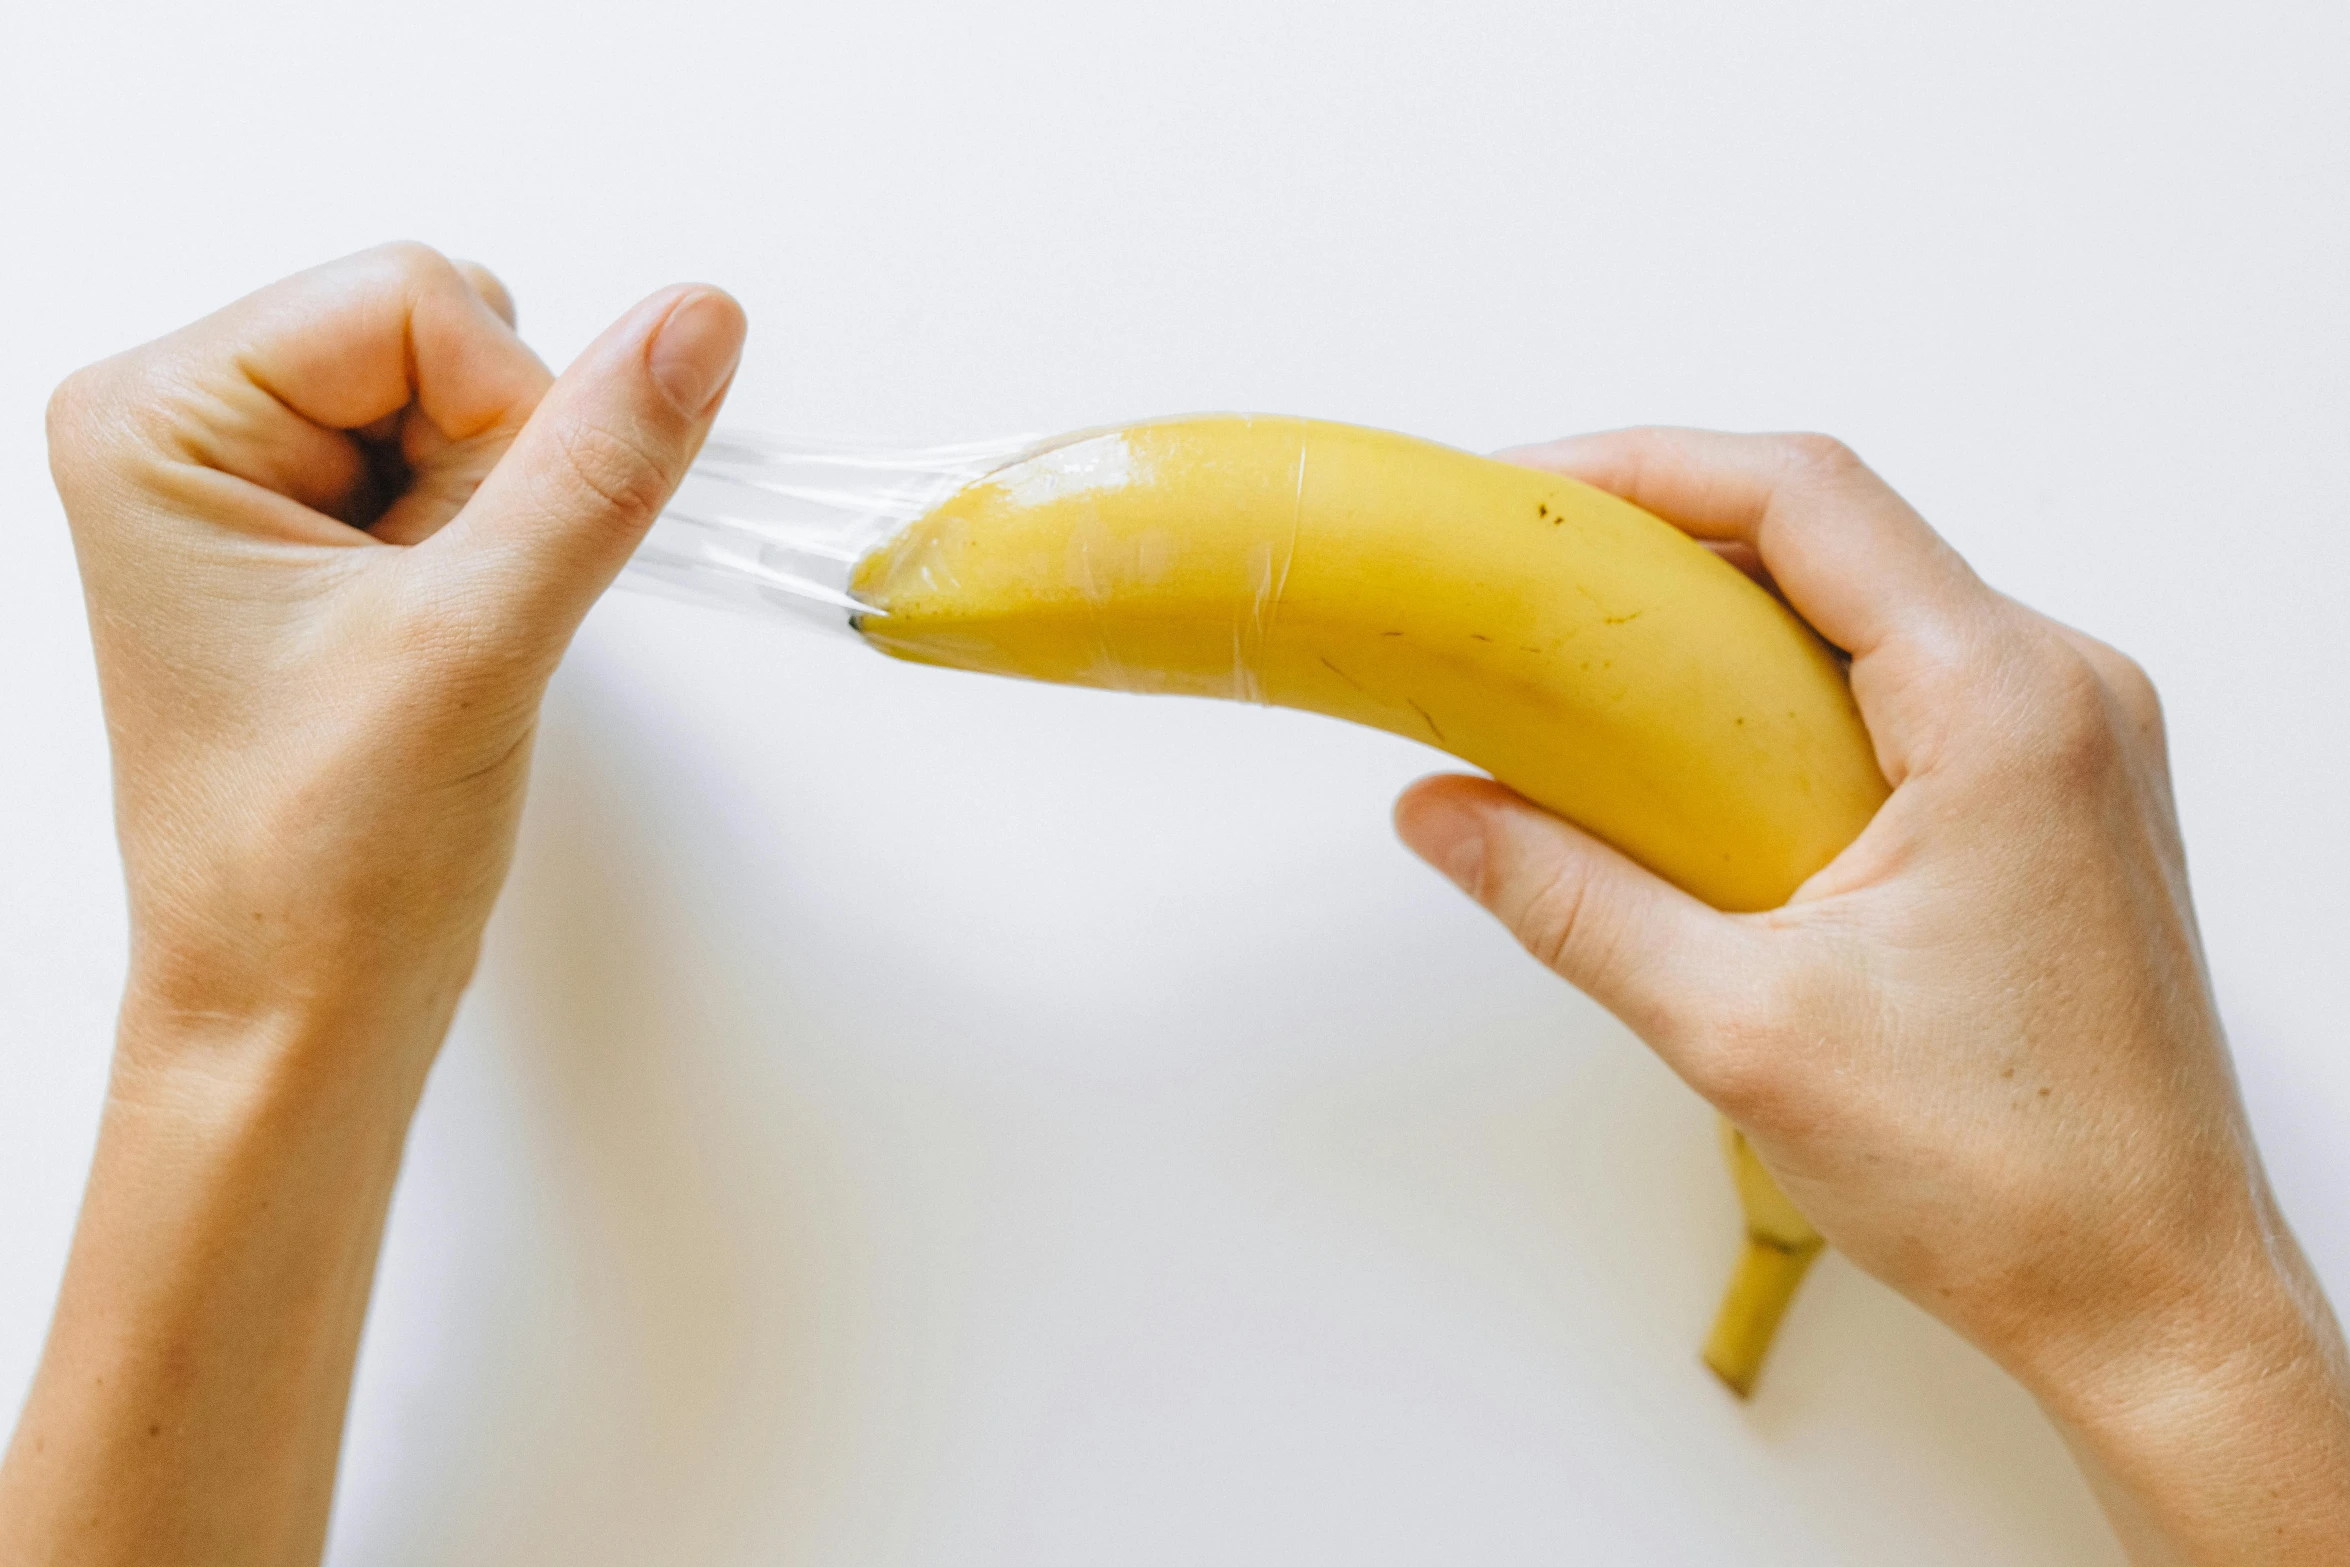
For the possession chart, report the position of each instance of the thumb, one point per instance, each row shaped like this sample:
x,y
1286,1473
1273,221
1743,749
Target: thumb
x,y
1639,946
554,522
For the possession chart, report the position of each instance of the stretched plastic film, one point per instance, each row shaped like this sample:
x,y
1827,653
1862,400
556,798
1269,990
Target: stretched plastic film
x,y
776,526
827,534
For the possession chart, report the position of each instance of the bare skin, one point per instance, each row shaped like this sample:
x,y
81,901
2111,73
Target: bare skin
x,y
335,538
321,737
1979,1049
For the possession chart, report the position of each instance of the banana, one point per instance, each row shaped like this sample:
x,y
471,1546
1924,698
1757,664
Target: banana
x,y
1585,653
1780,1246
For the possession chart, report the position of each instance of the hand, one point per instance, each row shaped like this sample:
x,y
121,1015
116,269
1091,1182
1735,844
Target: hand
x,y
1979,1050
334,540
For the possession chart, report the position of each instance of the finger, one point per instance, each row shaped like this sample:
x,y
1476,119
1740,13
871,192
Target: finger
x,y
436,477
347,343
1634,943
2125,681
560,514
283,388
1742,555
493,292
1851,555
442,471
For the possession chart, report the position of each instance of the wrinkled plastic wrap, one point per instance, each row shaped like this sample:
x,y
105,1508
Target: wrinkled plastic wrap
x,y
776,526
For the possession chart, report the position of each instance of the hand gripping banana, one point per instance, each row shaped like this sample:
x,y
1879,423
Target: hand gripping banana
x,y
1583,652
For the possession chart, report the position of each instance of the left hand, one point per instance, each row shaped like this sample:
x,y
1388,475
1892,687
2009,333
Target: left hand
x,y
334,539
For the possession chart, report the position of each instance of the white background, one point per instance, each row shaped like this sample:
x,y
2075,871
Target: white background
x,y
912,1119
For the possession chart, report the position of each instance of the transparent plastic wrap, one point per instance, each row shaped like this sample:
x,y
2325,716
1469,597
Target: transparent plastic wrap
x,y
1589,655
776,526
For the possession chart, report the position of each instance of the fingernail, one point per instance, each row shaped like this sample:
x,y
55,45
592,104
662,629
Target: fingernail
x,y
697,349
1451,838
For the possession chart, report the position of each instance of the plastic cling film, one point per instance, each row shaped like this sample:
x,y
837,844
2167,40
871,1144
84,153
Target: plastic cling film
x,y
1151,558
827,534
1584,652
777,526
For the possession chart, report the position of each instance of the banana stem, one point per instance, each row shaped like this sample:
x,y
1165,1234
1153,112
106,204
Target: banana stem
x,y
1764,1283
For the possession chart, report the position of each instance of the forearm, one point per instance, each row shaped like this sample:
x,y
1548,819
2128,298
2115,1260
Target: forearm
x,y
2237,1454
189,1404
334,539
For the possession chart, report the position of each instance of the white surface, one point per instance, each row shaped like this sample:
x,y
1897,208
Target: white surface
x,y
912,1119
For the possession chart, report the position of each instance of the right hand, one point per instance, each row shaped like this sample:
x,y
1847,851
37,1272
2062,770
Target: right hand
x,y
1979,1050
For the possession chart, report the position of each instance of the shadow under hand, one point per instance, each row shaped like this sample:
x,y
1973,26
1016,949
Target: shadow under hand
x,y
1572,1192
625,1365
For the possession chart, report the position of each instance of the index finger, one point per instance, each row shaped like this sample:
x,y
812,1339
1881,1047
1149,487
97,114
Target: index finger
x,y
344,344
1853,557
285,388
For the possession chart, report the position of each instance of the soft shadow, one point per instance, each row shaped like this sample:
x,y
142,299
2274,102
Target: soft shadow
x,y
1532,1152
646,1372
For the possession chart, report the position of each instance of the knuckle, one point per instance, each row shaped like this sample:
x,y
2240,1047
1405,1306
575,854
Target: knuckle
x,y
2133,689
412,257
614,470
1735,1068
490,287
415,266
1737,1056
1728,1059
69,409
90,415
1555,922
1645,444
1818,456
2073,727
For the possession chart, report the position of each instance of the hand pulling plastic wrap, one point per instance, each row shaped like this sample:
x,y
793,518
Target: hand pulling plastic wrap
x,y
1584,652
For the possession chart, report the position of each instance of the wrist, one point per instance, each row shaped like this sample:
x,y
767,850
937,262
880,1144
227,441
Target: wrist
x,y
367,1007
194,1034
194,1380
2216,1428
329,933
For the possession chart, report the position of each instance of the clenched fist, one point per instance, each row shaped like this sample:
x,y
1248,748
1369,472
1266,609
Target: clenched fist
x,y
334,539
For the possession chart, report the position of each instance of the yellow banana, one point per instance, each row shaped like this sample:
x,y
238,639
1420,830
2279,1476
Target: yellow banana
x,y
1780,1246
1583,652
